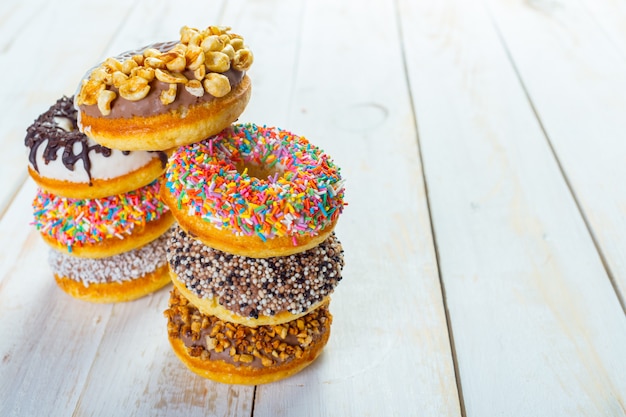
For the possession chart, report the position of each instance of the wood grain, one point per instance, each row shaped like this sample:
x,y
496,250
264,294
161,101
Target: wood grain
x,y
582,62
48,341
537,327
389,323
516,110
41,60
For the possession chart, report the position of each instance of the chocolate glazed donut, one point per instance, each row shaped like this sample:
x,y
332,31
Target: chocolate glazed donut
x,y
167,94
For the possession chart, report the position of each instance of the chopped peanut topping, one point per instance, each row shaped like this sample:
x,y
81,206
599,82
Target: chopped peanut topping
x,y
216,84
104,101
206,53
264,346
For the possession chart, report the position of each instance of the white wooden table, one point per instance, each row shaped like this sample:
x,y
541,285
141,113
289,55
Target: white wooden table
x,y
484,146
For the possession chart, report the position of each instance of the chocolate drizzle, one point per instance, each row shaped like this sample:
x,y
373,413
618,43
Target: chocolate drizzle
x,y
47,129
162,157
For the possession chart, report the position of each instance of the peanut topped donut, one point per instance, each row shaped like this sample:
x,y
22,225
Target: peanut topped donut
x,y
233,353
101,227
254,191
167,94
65,162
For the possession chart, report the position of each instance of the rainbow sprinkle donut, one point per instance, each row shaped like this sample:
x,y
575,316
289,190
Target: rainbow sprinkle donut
x,y
255,191
101,227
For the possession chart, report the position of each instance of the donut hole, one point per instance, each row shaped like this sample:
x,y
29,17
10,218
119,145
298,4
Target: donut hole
x,y
262,172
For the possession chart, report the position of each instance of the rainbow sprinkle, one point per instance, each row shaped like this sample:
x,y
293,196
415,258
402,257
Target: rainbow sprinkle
x,y
74,222
301,196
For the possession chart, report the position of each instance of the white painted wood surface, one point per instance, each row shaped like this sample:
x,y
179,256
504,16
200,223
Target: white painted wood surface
x,y
391,331
537,326
516,110
588,129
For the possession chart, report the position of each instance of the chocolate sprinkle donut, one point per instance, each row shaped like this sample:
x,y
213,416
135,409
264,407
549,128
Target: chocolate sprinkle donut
x,y
251,287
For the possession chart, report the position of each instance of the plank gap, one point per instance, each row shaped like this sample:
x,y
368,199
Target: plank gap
x,y
457,374
568,184
253,401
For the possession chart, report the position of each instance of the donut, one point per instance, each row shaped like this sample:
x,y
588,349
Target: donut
x,y
237,354
67,163
254,191
168,93
253,291
124,277
101,227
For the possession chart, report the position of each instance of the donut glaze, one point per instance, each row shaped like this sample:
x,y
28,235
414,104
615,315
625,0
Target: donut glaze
x,y
255,191
151,104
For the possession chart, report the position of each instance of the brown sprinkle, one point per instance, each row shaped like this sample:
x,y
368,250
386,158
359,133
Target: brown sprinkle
x,y
252,287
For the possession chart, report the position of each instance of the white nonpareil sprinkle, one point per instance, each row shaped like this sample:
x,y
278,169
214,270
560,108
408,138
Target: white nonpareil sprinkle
x,y
123,267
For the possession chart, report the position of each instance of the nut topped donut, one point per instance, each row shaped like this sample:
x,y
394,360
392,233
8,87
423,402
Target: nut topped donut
x,y
65,162
254,291
232,353
254,191
167,94
101,227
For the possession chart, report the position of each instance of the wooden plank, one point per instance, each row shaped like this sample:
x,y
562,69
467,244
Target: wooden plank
x,y
537,327
610,18
272,29
389,351
14,17
587,129
48,340
41,61
161,20
147,378
136,371
51,340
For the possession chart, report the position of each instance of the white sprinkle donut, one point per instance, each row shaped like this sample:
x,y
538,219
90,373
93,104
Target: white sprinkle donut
x,y
122,277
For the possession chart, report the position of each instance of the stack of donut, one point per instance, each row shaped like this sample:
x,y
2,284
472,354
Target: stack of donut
x,y
99,205
98,209
254,257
